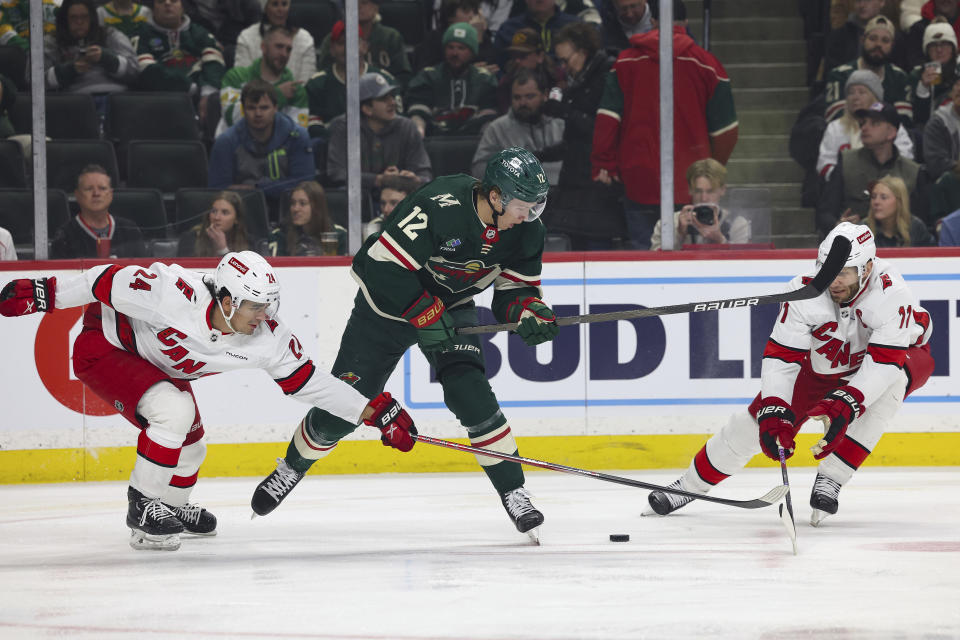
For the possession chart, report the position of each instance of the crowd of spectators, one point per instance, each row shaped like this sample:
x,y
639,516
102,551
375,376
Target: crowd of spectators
x,y
574,81
880,137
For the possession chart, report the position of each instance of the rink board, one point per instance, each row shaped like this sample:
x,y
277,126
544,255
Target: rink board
x,y
627,395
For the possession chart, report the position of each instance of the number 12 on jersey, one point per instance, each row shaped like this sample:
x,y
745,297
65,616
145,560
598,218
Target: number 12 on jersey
x,y
410,227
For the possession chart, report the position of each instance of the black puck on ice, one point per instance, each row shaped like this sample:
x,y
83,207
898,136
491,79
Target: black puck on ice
x,y
619,537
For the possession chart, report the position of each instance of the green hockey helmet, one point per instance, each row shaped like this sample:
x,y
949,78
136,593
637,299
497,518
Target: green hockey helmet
x,y
518,174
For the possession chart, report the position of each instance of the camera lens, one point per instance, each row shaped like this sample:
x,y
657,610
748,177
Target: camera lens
x,y
704,214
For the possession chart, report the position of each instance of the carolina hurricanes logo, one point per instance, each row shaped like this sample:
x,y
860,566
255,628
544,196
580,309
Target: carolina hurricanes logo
x,y
350,378
886,281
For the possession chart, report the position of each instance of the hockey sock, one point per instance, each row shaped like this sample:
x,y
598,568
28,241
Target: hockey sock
x,y
185,475
309,443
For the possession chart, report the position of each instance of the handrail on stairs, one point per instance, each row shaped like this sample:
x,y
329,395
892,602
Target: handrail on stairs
x,y
706,24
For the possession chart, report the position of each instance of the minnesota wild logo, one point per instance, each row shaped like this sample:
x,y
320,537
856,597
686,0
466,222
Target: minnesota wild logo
x,y
349,377
460,276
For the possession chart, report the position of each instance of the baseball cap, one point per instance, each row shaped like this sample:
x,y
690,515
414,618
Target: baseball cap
x,y
525,40
880,111
880,22
374,85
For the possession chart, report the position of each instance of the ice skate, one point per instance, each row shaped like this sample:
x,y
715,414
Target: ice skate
x,y
525,516
195,519
275,487
153,526
661,503
823,499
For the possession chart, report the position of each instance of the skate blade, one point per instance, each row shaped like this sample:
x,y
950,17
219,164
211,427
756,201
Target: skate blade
x,y
534,535
198,534
141,541
817,516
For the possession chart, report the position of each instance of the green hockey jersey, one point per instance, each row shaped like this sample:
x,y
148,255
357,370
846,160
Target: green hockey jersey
x,y
434,242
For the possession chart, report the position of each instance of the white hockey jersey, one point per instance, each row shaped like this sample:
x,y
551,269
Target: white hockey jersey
x,y
163,314
865,339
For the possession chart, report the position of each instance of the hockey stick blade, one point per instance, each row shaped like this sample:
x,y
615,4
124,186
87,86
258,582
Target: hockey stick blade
x,y
771,497
786,509
832,265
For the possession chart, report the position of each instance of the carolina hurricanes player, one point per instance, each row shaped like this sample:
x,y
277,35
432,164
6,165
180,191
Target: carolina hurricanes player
x,y
148,332
844,361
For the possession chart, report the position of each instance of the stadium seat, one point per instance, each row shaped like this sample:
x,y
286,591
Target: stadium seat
x,y
557,242
12,167
337,205
409,17
17,216
451,154
151,116
13,64
191,204
316,16
145,208
69,116
65,159
166,165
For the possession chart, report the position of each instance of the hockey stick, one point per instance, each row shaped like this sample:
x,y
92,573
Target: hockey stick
x,y
786,515
839,252
771,497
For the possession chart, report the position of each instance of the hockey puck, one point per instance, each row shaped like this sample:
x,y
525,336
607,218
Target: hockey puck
x,y
619,537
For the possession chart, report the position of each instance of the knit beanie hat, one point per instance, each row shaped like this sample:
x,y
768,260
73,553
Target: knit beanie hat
x,y
867,79
939,32
463,33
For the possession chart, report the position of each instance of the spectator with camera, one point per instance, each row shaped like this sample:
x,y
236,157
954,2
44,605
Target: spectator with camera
x,y
525,125
931,81
845,196
84,57
704,221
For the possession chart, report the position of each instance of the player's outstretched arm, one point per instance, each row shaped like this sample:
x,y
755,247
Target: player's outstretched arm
x,y
395,424
24,296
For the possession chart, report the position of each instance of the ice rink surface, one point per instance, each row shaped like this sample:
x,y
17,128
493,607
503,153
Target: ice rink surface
x,y
433,557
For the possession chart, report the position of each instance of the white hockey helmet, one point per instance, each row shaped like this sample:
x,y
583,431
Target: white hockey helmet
x,y
246,275
862,247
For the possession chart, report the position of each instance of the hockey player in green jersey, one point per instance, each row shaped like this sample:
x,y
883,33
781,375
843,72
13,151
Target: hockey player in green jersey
x,y
442,245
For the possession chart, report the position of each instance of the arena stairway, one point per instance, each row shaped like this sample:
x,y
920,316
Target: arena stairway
x,y
760,43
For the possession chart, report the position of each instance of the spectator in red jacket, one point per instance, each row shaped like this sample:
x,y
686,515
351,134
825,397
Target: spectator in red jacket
x,y
626,137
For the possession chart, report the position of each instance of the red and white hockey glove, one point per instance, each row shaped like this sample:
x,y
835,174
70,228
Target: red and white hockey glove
x,y
537,321
835,413
395,424
23,297
776,427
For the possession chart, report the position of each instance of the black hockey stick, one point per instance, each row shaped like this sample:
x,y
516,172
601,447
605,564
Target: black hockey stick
x,y
786,515
771,497
832,266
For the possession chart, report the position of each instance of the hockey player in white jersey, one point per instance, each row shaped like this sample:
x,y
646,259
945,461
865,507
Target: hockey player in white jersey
x,y
148,332
841,362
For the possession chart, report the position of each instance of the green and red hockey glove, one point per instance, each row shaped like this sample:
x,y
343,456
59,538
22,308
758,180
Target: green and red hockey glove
x,y
537,322
435,329
23,297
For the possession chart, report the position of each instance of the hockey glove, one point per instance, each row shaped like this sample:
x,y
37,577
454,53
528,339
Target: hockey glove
x,y
23,297
395,424
776,427
835,413
435,329
537,321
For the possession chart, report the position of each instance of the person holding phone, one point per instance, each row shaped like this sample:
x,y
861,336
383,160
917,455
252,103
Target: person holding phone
x,y
704,221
